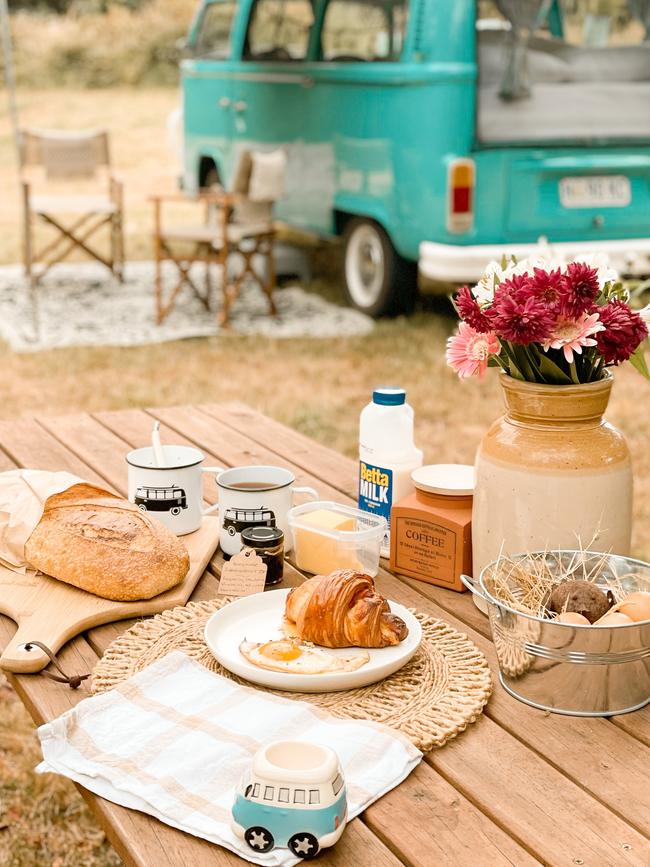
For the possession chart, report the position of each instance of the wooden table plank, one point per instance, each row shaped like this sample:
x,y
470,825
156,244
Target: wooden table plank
x,y
234,448
340,471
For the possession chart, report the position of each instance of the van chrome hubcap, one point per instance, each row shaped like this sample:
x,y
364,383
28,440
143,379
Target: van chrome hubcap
x,y
365,265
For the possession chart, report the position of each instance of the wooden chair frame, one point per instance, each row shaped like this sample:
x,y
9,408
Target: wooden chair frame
x,y
78,232
215,250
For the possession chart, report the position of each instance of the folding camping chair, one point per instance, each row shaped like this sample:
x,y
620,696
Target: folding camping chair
x,y
60,159
239,223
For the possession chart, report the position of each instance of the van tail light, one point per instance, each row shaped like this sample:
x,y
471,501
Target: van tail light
x,y
461,180
337,822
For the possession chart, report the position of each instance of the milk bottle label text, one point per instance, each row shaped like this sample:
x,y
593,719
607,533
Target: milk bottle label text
x,y
375,489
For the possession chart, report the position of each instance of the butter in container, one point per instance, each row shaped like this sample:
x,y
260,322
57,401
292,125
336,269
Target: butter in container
x,y
329,536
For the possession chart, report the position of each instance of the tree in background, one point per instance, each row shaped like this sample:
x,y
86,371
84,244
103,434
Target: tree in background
x,y
60,7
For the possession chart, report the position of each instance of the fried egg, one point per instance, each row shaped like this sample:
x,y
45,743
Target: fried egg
x,y
298,657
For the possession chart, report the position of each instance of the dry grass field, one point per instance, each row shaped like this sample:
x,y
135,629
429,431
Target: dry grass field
x,y
318,387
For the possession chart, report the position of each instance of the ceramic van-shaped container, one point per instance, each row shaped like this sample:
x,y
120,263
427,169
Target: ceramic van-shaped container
x,y
551,474
293,796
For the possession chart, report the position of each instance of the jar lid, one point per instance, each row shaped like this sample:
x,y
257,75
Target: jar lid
x,y
262,537
455,480
389,396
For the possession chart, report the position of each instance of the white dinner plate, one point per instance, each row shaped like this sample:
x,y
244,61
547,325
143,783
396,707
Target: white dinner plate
x,y
259,618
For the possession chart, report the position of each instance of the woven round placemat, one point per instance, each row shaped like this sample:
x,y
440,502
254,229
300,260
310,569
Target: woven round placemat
x,y
433,698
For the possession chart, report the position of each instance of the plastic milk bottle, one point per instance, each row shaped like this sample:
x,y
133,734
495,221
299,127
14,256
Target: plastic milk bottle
x,y
387,453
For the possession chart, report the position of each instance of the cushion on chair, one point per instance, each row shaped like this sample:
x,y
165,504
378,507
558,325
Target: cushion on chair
x,y
72,205
213,234
267,176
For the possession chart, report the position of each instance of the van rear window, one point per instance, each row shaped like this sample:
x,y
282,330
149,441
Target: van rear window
x,y
362,31
571,70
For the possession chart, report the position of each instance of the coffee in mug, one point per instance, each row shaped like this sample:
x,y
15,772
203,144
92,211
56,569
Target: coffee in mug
x,y
257,496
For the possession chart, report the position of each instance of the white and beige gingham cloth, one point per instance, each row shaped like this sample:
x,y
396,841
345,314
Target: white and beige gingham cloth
x,y
174,740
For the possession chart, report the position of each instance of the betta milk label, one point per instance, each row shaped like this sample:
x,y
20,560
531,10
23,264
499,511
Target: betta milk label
x,y
375,490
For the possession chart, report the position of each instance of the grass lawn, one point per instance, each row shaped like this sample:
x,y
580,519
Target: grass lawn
x,y
318,387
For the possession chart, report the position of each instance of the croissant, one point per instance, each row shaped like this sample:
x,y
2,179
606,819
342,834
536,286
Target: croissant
x,y
343,610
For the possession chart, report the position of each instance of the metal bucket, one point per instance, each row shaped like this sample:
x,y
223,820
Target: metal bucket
x,y
575,670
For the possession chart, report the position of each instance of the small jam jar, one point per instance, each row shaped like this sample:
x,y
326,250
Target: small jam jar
x,y
431,529
268,543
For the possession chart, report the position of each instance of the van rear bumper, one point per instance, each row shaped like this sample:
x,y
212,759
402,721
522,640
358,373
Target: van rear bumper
x,y
453,263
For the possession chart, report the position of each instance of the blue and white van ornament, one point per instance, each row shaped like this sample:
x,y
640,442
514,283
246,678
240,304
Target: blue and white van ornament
x,y
293,796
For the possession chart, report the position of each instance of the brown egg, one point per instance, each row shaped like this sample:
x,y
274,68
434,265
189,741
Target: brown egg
x,y
614,618
572,617
581,597
636,606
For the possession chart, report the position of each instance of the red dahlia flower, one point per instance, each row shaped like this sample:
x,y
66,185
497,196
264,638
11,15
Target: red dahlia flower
x,y
518,315
547,286
581,288
470,312
624,332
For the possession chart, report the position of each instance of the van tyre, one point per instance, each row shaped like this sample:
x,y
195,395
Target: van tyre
x,y
304,846
259,839
142,507
377,280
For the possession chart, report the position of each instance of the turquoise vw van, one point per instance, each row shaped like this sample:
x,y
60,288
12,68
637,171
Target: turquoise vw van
x,y
437,134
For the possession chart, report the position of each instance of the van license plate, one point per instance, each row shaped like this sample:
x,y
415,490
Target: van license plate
x,y
595,191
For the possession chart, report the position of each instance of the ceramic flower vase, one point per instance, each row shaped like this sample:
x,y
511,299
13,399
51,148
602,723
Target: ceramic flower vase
x,y
293,796
551,473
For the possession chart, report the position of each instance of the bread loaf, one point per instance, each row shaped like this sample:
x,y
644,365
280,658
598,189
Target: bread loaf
x,y
105,545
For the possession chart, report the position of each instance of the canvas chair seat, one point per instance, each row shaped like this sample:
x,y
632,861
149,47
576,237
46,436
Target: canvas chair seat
x,y
235,232
239,223
72,205
67,159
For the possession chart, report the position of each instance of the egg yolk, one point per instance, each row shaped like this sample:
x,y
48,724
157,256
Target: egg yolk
x,y
282,650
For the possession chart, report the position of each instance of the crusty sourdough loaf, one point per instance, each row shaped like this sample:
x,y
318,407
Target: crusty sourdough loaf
x,y
105,545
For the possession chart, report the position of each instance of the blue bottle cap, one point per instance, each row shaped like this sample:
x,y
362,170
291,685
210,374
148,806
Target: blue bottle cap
x,y
388,396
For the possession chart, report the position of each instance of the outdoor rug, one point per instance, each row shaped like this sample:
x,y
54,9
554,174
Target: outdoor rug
x,y
82,305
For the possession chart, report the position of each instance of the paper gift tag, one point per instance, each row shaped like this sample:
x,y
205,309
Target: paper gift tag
x,y
243,575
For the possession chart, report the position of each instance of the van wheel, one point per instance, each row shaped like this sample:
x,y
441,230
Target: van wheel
x,y
378,281
304,846
175,510
259,839
142,507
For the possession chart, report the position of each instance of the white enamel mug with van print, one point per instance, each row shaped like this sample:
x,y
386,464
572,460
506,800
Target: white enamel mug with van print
x,y
253,497
172,494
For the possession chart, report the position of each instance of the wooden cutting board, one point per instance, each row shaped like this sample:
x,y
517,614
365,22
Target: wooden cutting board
x,y
52,612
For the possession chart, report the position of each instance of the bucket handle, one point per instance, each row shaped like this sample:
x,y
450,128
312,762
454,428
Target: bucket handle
x,y
470,585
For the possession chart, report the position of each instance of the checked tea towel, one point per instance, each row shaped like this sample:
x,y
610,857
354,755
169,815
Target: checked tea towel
x,y
174,740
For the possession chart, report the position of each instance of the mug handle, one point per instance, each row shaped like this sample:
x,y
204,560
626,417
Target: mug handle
x,y
312,493
211,509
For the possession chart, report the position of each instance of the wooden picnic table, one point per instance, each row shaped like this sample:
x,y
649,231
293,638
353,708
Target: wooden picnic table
x,y
518,787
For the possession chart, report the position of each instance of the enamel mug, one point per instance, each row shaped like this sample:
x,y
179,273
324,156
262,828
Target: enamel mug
x,y
257,496
172,494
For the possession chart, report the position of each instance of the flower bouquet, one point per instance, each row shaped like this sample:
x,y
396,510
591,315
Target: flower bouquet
x,y
552,324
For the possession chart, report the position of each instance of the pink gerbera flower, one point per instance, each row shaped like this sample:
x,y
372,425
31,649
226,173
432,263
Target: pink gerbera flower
x,y
469,351
571,335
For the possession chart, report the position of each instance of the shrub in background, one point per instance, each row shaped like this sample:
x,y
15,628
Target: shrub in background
x,y
132,43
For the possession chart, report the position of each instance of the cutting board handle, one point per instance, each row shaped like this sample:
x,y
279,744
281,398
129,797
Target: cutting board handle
x,y
21,661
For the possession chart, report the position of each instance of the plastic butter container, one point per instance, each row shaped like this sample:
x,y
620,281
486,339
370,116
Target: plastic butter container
x,y
329,536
